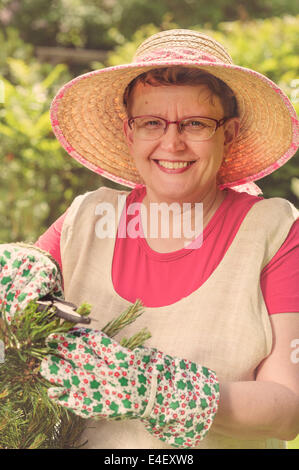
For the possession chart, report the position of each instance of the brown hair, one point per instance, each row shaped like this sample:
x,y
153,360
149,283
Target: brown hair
x,y
186,76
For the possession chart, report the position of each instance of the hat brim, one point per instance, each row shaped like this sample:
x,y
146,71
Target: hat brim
x,y
87,118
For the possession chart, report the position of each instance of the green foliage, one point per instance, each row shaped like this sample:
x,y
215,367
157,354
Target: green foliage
x,y
28,418
38,180
27,148
81,23
87,23
13,46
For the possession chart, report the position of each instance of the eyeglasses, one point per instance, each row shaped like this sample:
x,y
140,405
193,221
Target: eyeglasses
x,y
195,128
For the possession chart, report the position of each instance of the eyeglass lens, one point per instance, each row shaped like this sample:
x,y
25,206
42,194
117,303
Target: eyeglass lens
x,y
151,127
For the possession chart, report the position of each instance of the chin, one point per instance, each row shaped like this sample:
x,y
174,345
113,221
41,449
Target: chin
x,y
173,194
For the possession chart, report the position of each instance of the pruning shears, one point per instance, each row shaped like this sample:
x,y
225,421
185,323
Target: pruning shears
x,y
63,309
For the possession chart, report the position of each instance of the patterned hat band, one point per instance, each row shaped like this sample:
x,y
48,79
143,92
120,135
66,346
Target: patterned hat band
x,y
178,54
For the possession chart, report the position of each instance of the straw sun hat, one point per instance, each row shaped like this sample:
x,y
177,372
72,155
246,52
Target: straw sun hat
x,y
87,113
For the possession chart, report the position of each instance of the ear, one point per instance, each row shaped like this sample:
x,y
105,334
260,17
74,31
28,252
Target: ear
x,y
231,131
128,133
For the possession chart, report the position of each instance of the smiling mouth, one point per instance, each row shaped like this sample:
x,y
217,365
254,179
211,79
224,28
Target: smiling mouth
x,y
171,166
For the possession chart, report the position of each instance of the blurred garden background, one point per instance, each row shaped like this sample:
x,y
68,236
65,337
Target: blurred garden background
x,y
45,43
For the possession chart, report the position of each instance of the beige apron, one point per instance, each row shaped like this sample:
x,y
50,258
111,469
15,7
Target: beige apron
x,y
223,325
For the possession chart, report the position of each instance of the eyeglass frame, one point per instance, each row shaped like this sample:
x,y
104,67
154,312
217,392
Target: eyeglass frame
x,y
219,123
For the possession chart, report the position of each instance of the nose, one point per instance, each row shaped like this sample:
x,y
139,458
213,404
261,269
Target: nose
x,y
172,140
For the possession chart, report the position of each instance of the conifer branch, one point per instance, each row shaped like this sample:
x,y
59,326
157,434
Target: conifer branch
x,y
29,419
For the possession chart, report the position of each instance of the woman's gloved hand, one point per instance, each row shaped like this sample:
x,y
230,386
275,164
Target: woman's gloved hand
x,y
97,378
26,273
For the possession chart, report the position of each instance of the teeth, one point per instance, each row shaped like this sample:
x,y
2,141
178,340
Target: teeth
x,y
173,165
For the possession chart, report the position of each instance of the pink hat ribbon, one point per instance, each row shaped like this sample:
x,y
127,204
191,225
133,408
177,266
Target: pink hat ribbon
x,y
179,54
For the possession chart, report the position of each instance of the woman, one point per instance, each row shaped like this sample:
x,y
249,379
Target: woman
x,y
181,125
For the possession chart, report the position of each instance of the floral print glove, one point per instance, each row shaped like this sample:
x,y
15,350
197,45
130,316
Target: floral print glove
x,y
95,377
26,273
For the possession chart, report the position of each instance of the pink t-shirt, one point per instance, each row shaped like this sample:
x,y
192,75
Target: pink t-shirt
x,y
160,279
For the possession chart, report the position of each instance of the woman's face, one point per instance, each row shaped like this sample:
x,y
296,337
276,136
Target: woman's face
x,y
173,103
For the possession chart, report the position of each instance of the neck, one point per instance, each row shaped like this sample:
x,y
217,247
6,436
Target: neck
x,y
210,199
210,202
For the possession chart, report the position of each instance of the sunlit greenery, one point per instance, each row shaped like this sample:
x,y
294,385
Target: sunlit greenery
x,y
87,23
38,180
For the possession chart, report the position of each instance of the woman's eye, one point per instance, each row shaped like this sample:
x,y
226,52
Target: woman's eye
x,y
194,124
152,123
